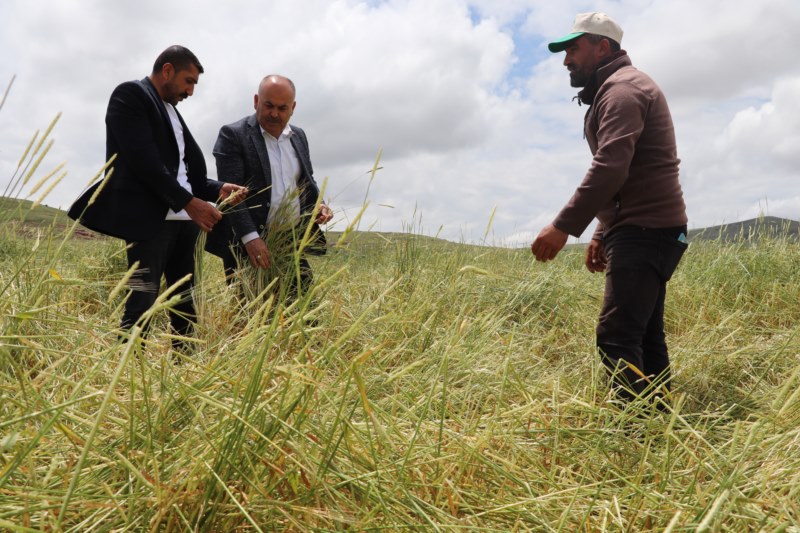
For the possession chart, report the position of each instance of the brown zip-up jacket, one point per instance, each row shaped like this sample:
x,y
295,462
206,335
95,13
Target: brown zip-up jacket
x,y
633,179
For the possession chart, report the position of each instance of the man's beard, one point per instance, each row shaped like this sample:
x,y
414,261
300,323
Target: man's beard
x,y
172,95
578,78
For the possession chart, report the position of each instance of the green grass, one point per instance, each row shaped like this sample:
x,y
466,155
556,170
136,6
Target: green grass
x,y
443,387
439,387
40,216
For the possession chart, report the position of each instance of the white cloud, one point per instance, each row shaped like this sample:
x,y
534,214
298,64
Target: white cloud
x,y
779,207
750,167
429,83
714,50
769,134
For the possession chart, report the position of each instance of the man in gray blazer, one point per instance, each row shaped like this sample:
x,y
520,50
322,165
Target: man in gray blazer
x,y
269,156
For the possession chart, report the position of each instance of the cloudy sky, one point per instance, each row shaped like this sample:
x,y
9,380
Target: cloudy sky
x,y
472,114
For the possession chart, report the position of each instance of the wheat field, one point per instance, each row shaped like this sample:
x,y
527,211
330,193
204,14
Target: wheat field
x,y
423,385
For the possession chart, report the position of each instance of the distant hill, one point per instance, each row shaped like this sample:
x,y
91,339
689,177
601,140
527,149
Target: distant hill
x,y
749,230
15,210
42,215
19,215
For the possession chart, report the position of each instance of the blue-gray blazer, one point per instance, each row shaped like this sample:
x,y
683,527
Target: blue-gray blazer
x,y
242,158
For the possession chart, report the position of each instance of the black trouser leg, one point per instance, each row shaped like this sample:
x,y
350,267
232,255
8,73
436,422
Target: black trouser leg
x,y
299,280
146,280
230,263
655,356
293,276
180,262
630,331
629,306
170,254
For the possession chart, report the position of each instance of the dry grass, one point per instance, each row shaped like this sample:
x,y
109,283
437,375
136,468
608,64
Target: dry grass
x,y
442,387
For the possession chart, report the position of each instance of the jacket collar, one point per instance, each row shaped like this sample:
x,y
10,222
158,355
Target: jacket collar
x,y
258,143
605,69
257,138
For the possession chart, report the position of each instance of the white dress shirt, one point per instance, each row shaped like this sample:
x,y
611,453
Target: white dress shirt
x,y
183,178
284,170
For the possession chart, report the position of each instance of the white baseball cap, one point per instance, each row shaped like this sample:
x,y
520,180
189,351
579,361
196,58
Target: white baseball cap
x,y
595,23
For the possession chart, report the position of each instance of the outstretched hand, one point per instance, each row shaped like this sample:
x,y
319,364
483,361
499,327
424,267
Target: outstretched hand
x,y
549,242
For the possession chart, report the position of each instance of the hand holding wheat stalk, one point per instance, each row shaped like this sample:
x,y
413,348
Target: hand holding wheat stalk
x,y
231,195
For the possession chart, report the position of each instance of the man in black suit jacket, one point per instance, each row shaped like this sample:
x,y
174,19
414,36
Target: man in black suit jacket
x,y
270,157
156,194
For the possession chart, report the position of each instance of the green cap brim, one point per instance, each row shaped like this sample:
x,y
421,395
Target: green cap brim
x,y
561,44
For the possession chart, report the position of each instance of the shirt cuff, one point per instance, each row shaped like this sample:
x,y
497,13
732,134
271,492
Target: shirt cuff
x,y
253,235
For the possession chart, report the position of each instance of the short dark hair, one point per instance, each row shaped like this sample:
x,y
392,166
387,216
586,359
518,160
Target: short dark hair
x,y
179,57
594,39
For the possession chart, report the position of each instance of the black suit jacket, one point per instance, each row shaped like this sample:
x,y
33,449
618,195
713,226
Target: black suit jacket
x,y
143,185
242,158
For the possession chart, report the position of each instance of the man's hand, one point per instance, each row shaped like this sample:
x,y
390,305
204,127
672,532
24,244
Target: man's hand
x,y
324,215
549,242
232,194
258,253
596,256
203,213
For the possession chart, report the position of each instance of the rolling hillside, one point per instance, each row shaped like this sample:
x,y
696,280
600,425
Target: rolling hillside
x,y
746,230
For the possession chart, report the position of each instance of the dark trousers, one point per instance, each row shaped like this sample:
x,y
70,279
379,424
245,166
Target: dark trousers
x,y
631,325
169,254
236,257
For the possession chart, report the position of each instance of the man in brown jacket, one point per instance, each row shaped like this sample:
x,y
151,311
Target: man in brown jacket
x,y
632,188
